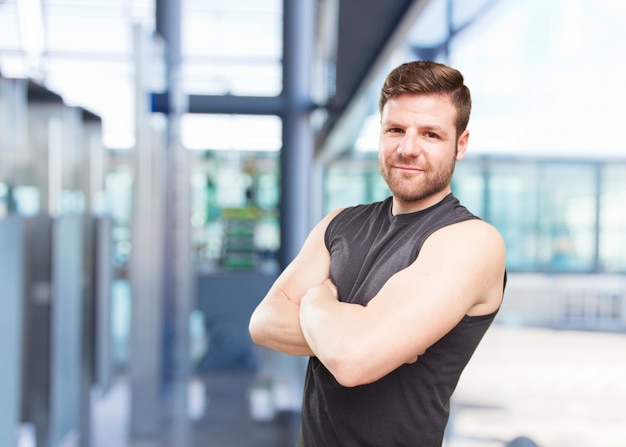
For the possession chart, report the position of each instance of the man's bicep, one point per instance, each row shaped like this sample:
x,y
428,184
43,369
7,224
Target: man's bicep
x,y
453,274
465,262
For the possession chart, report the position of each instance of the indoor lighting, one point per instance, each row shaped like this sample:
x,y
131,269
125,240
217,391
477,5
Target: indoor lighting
x,y
31,23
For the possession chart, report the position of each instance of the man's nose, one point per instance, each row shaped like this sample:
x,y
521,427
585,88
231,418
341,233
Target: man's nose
x,y
410,145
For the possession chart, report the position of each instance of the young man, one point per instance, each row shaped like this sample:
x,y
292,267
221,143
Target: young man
x,y
390,299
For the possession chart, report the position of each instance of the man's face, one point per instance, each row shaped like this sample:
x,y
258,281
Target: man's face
x,y
418,149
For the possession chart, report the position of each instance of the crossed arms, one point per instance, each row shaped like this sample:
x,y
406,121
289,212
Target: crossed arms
x,y
459,272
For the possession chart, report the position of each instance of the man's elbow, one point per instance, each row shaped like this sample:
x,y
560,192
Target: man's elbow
x,y
348,371
254,335
348,380
256,329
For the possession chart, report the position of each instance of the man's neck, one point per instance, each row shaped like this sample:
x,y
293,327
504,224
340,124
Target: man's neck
x,y
405,207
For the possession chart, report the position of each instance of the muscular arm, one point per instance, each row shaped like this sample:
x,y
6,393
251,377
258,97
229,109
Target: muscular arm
x,y
459,272
275,323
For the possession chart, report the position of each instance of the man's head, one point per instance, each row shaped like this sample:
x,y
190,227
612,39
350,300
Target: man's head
x,y
424,109
429,78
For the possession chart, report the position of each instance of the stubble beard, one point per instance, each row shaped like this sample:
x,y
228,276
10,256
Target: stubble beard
x,y
407,188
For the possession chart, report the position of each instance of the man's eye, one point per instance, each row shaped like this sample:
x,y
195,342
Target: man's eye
x,y
431,135
395,130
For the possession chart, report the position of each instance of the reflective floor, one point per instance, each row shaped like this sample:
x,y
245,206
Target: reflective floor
x,y
226,419
556,388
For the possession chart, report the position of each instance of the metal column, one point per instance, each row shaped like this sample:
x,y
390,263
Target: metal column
x,y
12,280
298,139
145,263
177,267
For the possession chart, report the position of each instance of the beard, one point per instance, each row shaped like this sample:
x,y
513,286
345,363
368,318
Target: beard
x,y
410,187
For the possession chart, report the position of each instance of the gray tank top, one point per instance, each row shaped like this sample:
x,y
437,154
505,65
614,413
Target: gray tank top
x,y
409,406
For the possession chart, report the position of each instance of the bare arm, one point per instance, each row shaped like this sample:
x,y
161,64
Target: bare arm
x,y
275,323
459,272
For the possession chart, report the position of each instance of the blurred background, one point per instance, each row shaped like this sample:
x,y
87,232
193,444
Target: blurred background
x,y
162,160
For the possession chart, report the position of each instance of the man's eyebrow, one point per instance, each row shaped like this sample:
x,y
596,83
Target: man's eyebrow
x,y
392,123
434,127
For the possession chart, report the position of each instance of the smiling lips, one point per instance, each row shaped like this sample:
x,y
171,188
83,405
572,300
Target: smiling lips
x,y
408,168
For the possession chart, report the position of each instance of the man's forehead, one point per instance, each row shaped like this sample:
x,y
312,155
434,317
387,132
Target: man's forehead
x,y
437,105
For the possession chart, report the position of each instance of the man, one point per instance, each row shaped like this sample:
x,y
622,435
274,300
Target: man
x,y
390,299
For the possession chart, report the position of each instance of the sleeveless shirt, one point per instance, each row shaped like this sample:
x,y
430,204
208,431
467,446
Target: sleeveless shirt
x,y
409,406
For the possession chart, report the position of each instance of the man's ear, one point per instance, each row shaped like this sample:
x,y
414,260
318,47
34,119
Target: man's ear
x,y
461,146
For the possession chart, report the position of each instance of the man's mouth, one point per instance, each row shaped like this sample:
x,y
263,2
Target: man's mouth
x,y
408,168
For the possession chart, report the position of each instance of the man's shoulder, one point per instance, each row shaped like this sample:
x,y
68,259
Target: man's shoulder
x,y
473,229
472,242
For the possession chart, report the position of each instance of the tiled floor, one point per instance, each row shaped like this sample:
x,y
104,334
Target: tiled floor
x,y
558,388
225,421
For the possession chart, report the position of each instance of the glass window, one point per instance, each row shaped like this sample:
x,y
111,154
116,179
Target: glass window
x,y
235,210
612,238
567,217
352,182
119,196
468,185
344,186
512,207
378,187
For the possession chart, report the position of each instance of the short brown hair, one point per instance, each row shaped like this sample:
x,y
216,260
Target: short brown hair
x,y
429,78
